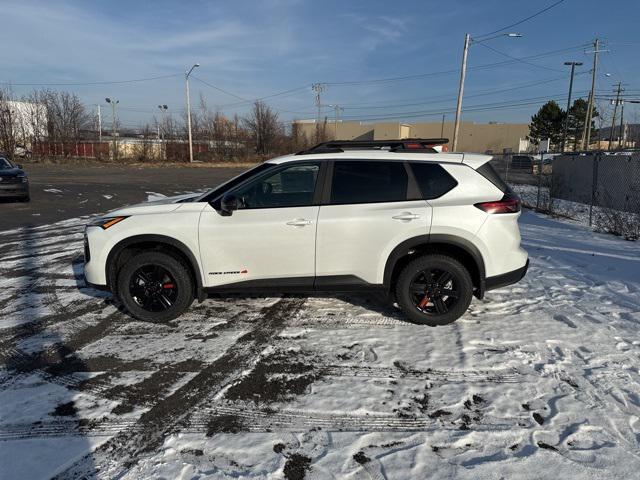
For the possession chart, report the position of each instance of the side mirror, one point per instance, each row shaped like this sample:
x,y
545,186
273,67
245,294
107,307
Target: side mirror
x,y
19,166
229,203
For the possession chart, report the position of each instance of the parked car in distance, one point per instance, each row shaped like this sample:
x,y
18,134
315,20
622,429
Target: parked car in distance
x,y
522,162
14,182
395,217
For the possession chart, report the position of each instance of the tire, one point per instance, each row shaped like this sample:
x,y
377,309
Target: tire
x,y
155,287
438,308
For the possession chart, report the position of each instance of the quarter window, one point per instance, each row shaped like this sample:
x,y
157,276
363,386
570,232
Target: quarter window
x,y
368,182
293,186
433,180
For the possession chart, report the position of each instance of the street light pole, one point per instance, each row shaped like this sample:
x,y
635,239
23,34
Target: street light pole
x,y
566,121
468,41
163,109
114,132
189,111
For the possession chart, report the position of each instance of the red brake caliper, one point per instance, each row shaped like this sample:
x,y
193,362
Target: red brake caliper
x,y
167,285
423,303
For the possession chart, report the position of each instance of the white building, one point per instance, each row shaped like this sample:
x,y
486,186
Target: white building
x,y
29,119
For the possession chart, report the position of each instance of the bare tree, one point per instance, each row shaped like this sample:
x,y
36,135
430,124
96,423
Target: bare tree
x,y
263,127
8,129
33,124
66,116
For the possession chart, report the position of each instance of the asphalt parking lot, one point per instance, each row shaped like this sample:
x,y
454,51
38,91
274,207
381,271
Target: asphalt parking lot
x,y
60,191
539,373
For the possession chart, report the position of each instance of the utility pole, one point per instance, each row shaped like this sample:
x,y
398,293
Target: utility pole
x,y
468,41
186,82
622,143
586,133
114,132
442,127
463,74
615,111
318,88
337,109
566,121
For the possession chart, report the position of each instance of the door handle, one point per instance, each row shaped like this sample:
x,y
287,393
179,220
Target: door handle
x,y
299,222
406,216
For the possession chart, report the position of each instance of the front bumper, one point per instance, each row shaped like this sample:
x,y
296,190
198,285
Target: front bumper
x,y
509,278
14,189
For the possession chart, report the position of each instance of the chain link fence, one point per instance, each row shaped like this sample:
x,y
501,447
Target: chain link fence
x,y
601,189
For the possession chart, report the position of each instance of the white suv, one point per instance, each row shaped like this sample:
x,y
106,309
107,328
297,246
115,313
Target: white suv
x,y
396,217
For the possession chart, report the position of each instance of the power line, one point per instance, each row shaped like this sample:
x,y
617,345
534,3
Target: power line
x,y
519,22
482,93
219,89
432,113
277,94
520,60
451,71
79,84
478,107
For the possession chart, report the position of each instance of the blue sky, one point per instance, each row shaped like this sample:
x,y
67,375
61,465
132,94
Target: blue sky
x,y
254,49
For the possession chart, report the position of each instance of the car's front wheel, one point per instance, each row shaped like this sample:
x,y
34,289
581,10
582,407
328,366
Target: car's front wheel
x,y
155,286
434,290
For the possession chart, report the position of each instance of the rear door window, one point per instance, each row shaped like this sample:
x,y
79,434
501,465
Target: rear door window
x,y
368,182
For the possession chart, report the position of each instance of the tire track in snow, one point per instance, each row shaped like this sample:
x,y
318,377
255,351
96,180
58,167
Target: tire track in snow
x,y
170,414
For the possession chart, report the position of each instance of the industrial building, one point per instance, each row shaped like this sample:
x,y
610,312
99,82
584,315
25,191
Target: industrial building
x,y
474,137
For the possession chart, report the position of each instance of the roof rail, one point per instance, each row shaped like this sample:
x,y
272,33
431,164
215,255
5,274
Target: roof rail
x,y
418,145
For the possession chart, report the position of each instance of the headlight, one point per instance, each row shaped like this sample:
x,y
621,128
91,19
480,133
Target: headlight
x,y
105,222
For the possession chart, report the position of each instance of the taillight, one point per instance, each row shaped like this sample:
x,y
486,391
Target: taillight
x,y
509,204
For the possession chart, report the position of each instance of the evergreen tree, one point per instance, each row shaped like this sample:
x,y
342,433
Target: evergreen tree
x,y
547,123
577,116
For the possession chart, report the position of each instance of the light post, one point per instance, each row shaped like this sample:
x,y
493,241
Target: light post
x,y
186,77
163,110
468,41
113,103
163,149
566,121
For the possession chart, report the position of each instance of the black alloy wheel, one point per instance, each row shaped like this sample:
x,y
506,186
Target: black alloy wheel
x,y
153,288
434,290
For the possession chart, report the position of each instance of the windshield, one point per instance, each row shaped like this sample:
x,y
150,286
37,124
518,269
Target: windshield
x,y
5,164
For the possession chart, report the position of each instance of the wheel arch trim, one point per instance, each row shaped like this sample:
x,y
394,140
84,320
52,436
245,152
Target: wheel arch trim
x,y
432,240
117,249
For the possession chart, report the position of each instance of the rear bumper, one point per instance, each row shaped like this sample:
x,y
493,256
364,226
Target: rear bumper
x,y
509,278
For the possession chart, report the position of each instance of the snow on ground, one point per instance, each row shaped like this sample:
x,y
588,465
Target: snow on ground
x,y
538,380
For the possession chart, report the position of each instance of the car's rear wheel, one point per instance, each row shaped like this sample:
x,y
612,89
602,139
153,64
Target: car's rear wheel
x,y
434,290
155,286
